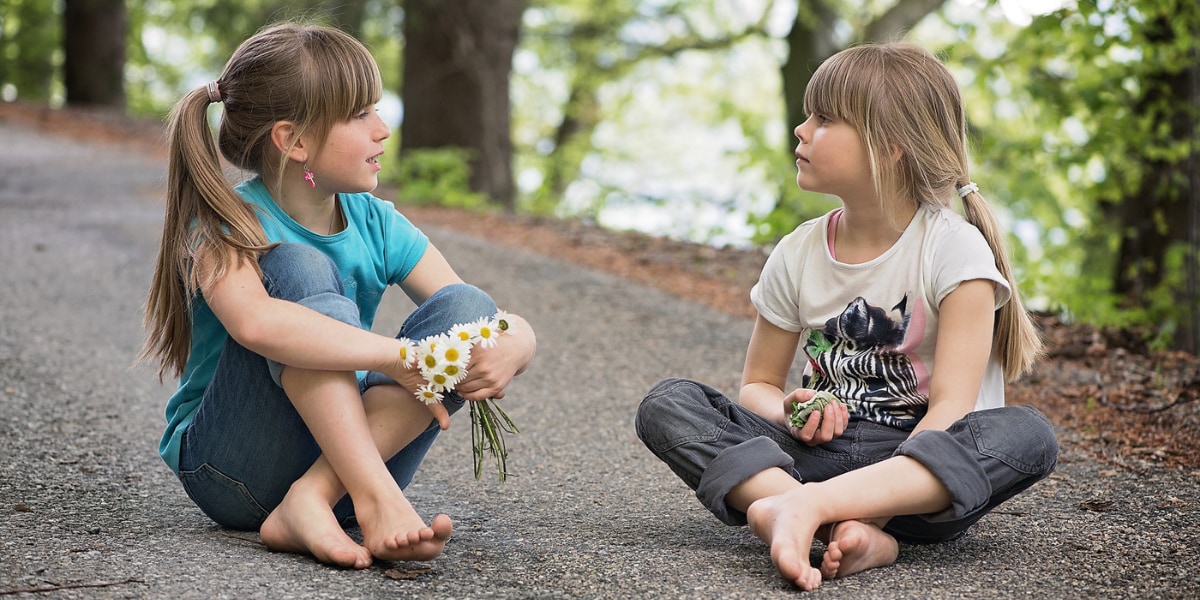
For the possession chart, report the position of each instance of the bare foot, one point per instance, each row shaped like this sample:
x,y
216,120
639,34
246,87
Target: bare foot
x,y
304,524
398,533
787,524
855,546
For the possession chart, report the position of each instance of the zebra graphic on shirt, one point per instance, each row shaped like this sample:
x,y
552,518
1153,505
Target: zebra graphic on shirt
x,y
855,358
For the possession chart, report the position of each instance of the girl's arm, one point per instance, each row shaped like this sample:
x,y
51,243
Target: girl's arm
x,y
768,360
290,333
964,345
491,369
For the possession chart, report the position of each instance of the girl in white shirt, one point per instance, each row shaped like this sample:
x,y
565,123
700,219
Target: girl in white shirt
x,y
875,294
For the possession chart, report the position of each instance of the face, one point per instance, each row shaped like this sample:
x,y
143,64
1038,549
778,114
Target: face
x,y
831,159
349,160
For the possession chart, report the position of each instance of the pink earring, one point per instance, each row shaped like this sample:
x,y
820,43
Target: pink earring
x,y
308,176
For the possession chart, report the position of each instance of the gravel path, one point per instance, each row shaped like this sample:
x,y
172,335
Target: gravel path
x,y
88,510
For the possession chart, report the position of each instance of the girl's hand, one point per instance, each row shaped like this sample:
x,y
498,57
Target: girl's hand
x,y
822,426
440,414
490,371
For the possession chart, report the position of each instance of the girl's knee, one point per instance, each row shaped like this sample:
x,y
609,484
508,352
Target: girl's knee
x,y
1041,440
667,395
671,409
296,271
464,299
1020,436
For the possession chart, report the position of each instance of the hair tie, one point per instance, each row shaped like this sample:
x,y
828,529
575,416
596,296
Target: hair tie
x,y
967,189
214,91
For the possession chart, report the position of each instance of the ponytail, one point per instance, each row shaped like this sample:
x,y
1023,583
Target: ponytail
x,y
204,217
1017,339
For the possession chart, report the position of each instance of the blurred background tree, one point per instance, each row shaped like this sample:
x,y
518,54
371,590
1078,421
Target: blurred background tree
x,y
675,116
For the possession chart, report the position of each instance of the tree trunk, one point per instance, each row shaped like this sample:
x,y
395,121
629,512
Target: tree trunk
x,y
809,42
812,40
1159,215
457,61
346,15
94,33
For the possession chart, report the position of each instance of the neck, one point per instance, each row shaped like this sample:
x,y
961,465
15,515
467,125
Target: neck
x,y
313,208
866,230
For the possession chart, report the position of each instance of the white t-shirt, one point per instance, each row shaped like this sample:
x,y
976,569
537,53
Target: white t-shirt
x,y
869,330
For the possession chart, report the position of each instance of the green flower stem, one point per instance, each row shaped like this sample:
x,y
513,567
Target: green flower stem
x,y
489,423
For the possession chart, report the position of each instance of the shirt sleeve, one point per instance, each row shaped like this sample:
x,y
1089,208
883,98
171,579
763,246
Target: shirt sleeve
x,y
962,254
405,244
776,296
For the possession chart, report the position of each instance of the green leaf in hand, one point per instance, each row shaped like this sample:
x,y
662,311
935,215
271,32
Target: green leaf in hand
x,y
802,410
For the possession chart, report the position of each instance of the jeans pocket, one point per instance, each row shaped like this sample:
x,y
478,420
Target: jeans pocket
x,y
1019,436
224,499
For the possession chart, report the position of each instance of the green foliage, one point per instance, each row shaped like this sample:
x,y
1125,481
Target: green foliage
x,y
1159,315
588,67
30,50
1070,124
438,177
175,45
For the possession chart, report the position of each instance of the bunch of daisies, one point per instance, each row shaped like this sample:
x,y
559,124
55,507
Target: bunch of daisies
x,y
442,360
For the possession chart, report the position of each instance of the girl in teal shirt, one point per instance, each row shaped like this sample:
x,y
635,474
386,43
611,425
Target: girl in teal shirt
x,y
291,417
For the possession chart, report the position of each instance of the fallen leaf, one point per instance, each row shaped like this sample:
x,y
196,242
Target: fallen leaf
x,y
1096,505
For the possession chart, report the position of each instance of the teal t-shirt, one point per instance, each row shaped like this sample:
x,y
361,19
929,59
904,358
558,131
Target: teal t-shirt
x,y
378,248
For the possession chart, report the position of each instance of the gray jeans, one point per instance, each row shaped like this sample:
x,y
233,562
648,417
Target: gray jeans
x,y
714,444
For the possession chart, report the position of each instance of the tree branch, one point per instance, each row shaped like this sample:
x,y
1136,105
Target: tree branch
x,y
901,17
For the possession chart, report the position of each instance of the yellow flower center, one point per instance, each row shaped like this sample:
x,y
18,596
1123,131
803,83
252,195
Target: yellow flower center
x,y
452,354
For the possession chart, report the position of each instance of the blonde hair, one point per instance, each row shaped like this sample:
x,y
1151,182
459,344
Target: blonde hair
x,y
309,75
900,97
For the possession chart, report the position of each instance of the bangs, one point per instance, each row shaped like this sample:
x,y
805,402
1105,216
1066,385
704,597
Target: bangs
x,y
841,88
346,78
354,86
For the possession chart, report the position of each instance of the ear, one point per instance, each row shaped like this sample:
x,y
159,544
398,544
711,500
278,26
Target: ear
x,y
896,154
285,139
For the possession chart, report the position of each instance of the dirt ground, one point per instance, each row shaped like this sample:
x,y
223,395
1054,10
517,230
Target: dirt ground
x,y
1123,404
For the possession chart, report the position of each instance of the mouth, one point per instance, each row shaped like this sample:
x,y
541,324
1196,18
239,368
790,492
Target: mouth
x,y
374,160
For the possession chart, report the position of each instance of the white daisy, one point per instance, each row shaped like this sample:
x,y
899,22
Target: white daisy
x,y
463,332
453,351
438,381
427,357
408,351
488,330
454,374
503,320
428,395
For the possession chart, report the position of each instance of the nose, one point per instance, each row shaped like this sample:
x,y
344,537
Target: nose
x,y
801,132
383,131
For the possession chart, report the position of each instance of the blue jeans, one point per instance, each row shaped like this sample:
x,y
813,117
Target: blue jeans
x,y
247,444
714,444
